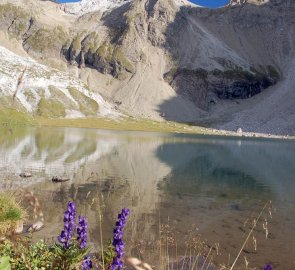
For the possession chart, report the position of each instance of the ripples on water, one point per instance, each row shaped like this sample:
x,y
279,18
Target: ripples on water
x,y
212,184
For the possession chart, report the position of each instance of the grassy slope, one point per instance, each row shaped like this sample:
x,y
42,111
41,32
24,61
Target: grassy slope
x,y
10,117
130,124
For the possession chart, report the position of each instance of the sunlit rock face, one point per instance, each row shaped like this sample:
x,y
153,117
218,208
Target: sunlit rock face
x,y
85,6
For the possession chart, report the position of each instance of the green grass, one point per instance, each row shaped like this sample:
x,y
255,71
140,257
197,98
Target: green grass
x,y
50,108
125,124
87,105
47,39
15,18
120,57
90,42
9,209
12,117
76,44
105,51
10,102
10,213
58,95
108,53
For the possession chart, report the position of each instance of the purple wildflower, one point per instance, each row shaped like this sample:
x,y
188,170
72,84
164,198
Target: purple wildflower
x,y
69,226
82,232
117,240
86,264
267,267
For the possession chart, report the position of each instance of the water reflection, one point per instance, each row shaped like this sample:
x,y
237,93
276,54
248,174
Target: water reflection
x,y
211,182
260,167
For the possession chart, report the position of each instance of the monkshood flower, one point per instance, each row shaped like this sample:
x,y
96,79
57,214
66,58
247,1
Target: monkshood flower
x,y
82,232
69,225
86,264
267,267
118,243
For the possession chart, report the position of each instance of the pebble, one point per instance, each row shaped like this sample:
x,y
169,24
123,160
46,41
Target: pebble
x,y
25,175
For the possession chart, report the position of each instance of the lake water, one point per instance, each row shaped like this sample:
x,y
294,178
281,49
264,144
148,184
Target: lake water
x,y
185,188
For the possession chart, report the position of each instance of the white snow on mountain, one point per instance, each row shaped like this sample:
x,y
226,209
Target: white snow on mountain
x,y
85,6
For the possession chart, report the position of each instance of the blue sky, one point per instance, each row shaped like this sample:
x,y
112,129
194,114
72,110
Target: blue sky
x,y
208,3
211,3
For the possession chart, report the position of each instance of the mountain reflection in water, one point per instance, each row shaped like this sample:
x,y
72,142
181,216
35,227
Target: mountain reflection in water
x,y
214,184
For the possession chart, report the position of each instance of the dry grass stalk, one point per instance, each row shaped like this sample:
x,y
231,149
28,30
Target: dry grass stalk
x,y
268,204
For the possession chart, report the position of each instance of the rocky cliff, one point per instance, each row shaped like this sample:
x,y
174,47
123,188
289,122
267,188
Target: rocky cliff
x,y
169,59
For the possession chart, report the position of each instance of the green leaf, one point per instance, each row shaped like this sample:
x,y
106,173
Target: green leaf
x,y
4,263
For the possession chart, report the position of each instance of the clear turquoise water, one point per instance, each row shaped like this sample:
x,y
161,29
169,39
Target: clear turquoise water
x,y
213,186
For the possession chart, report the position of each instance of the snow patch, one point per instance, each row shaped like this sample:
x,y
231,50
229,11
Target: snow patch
x,y
86,6
180,3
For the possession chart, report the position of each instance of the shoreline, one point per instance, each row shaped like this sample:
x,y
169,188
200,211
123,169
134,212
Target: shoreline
x,y
146,125
13,118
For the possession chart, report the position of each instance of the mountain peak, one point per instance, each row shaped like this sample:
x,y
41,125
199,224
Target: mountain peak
x,y
85,6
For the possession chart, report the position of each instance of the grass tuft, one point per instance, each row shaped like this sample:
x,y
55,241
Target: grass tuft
x,y
10,213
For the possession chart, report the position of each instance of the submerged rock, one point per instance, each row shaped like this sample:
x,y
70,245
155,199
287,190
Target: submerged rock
x,y
36,226
25,175
59,179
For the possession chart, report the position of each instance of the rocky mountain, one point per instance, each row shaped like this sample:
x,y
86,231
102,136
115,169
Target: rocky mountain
x,y
46,91
83,7
168,59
